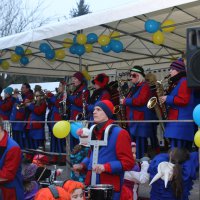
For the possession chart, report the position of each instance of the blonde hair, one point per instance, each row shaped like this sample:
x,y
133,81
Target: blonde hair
x,y
141,78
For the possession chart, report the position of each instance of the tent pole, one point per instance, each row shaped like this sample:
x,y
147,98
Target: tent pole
x,y
80,63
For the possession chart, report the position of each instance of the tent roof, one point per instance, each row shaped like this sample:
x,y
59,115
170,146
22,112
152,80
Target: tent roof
x,y
128,20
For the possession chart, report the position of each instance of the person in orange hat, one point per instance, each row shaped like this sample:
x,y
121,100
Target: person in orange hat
x,y
114,156
52,193
74,189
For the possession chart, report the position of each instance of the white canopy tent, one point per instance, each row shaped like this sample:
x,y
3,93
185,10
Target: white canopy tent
x,y
128,20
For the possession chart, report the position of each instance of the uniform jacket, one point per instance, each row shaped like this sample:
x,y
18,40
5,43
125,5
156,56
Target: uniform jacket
x,y
181,104
10,169
6,107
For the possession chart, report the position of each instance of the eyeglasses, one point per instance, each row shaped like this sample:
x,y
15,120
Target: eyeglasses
x,y
133,75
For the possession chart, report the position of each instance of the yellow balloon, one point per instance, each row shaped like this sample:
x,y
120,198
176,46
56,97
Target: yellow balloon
x,y
88,48
60,54
158,38
67,42
115,35
28,52
81,38
15,58
86,75
168,22
103,40
197,138
61,129
5,65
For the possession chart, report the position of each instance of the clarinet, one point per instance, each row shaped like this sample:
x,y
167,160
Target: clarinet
x,y
84,105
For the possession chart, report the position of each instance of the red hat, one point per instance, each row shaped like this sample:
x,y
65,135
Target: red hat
x,y
107,107
101,80
79,76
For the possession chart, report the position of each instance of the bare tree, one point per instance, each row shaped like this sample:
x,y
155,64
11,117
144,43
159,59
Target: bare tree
x,y
81,9
16,16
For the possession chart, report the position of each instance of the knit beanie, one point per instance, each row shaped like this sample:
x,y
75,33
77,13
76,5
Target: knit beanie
x,y
101,80
79,76
178,65
107,107
138,69
8,90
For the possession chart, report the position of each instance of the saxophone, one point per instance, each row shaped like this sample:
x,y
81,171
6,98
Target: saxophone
x,y
154,102
120,109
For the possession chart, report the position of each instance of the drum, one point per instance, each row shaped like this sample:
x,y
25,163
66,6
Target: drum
x,y
99,192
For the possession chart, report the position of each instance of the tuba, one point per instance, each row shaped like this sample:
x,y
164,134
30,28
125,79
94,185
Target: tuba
x,y
160,108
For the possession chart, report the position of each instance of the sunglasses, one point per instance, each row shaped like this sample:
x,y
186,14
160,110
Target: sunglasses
x,y
133,75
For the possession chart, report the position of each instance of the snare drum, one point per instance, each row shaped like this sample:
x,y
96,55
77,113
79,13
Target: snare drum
x,y
99,192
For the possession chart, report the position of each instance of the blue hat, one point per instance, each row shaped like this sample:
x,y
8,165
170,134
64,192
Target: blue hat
x,y
106,106
8,90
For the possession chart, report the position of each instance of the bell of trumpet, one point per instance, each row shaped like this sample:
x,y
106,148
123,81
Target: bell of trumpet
x,y
21,105
152,102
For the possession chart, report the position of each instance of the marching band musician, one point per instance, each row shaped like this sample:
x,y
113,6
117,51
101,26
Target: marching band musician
x,y
57,145
114,158
100,93
180,101
17,114
136,109
77,100
6,104
37,108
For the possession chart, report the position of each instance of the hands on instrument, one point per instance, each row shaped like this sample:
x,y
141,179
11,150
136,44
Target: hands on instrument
x,y
162,99
99,168
122,100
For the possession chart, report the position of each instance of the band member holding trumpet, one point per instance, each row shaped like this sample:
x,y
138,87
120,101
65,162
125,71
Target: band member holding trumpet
x,y
35,130
113,158
78,100
136,109
180,102
6,104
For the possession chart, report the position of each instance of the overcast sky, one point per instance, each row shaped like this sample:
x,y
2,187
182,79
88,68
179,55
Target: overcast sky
x,y
61,8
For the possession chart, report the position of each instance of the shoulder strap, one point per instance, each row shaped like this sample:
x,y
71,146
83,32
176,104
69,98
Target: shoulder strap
x,y
54,191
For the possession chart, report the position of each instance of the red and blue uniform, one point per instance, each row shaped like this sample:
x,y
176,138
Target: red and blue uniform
x,y
136,109
56,145
116,158
181,104
76,106
10,169
36,135
6,107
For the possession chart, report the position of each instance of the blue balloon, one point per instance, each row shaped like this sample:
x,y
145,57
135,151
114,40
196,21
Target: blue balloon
x,y
92,38
24,60
19,50
116,46
196,114
74,127
44,47
50,54
72,49
1,61
106,48
80,50
151,26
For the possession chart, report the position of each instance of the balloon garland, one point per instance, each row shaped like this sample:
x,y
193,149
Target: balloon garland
x,y
157,29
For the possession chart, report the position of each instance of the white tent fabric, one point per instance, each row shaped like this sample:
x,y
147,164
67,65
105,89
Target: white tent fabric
x,y
128,20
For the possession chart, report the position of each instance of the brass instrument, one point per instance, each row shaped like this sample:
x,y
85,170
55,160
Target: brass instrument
x,y
82,116
121,109
155,103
